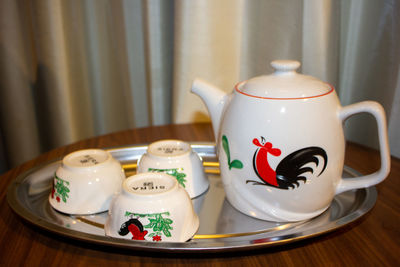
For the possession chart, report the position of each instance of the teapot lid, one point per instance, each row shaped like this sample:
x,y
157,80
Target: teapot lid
x,y
284,83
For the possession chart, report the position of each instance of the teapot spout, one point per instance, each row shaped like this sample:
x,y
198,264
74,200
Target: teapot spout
x,y
214,98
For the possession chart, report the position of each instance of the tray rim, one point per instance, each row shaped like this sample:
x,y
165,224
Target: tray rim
x,y
173,247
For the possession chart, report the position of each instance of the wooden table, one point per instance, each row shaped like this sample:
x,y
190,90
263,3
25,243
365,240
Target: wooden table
x,y
374,240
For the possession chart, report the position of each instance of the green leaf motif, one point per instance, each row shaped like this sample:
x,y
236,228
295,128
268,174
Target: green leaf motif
x,y
225,145
142,215
235,163
61,188
180,176
160,224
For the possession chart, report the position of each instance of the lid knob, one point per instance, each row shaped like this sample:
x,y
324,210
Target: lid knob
x,y
285,66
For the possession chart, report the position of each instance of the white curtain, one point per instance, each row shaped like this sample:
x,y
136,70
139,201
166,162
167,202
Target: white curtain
x,y
79,68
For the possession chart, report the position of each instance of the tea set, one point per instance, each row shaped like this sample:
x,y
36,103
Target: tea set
x,y
280,147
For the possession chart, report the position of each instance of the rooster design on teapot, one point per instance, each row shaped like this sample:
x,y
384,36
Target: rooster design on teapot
x,y
282,129
290,170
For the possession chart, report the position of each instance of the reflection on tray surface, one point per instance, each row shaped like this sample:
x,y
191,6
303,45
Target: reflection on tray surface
x,y
218,219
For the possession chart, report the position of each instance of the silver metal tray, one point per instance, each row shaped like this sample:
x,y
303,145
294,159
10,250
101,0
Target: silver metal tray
x,y
222,228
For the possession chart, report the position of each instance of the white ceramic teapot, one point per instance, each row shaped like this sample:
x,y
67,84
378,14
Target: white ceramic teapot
x,y
280,143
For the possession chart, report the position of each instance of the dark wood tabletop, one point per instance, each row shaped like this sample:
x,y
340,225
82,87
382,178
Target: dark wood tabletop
x,y
373,240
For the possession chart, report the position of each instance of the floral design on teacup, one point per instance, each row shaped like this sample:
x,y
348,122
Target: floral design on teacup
x,y
289,170
156,222
176,172
60,189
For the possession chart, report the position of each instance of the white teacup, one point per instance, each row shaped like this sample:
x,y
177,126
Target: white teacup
x,y
152,207
176,158
86,182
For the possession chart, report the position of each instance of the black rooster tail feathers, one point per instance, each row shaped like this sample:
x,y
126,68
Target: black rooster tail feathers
x,y
290,170
307,155
320,152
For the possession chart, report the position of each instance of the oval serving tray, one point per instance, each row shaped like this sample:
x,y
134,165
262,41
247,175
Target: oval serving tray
x,y
222,228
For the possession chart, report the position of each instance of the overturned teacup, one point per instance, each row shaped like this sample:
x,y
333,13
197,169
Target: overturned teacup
x,y
86,182
176,158
152,207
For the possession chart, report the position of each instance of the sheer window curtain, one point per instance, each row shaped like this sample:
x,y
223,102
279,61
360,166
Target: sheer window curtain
x,y
74,69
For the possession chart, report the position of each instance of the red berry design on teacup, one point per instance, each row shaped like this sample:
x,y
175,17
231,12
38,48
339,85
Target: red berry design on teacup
x,y
290,170
157,238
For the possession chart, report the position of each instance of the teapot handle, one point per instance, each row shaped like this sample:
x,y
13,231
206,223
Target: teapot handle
x,y
378,112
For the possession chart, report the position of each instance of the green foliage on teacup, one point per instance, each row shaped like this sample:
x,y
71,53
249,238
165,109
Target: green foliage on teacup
x,y
157,222
180,176
60,189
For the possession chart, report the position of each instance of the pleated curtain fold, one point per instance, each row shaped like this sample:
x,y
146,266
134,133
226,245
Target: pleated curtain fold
x,y
74,69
